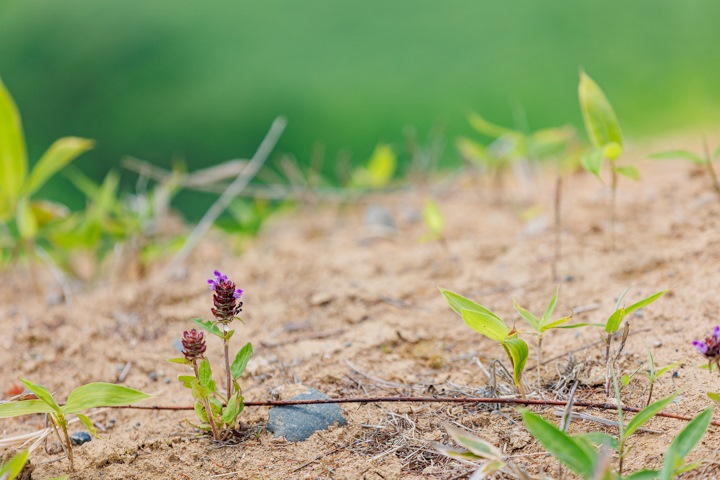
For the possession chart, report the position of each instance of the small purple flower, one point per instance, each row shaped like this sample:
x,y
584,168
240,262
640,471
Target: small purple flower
x,y
225,298
710,347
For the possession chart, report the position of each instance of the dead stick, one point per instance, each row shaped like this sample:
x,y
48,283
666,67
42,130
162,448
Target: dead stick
x,y
402,399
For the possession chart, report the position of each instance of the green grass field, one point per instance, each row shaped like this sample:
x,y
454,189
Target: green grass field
x,y
203,81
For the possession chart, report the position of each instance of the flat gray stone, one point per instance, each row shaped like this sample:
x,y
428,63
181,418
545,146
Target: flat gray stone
x,y
378,215
298,422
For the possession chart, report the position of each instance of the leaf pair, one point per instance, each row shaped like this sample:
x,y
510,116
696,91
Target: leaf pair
x,y
490,325
544,323
613,323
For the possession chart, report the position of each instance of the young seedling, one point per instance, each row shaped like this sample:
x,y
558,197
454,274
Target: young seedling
x,y
613,325
217,412
491,460
653,373
435,223
603,128
379,170
543,324
493,327
705,161
11,469
85,397
18,208
579,452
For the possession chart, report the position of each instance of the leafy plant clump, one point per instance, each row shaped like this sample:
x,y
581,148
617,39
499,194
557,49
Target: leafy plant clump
x,y
218,412
85,397
24,216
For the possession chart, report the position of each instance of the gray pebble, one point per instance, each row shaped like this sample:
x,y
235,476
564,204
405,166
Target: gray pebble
x,y
298,422
177,343
378,215
78,438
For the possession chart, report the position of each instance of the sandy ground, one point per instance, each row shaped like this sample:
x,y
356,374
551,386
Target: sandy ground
x,y
354,310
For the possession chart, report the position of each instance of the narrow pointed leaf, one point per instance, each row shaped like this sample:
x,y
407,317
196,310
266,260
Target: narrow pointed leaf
x,y
592,162
481,125
615,320
646,414
531,319
629,171
26,222
557,323
560,445
208,326
644,302
433,218
459,303
85,420
241,360
24,407
13,156
101,394
12,468
455,453
488,325
679,155
476,445
42,393
517,350
180,360
666,369
715,397
551,306
600,121
684,442
60,153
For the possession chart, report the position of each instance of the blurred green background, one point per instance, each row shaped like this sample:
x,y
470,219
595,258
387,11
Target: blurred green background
x,y
203,80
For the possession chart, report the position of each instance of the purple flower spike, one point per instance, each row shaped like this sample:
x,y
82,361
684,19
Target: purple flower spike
x,y
701,347
716,332
225,298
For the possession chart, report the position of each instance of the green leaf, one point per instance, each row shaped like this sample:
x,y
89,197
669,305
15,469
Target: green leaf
x,y
485,127
679,155
644,302
517,350
180,360
42,393
380,168
101,394
455,453
551,306
629,171
12,468
473,152
646,474
13,156
433,218
209,326
592,162
600,121
24,407
559,322
599,438
614,321
646,414
85,420
715,397
188,380
459,303
531,319
205,372
559,444
241,360
201,412
230,411
488,325
684,442
667,368
476,445
26,222
60,153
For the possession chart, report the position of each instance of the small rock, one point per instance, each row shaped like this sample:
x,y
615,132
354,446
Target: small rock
x,y
78,438
321,298
298,422
657,344
153,376
378,215
639,313
177,343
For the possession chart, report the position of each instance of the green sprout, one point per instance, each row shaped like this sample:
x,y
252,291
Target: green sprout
x,y
545,323
379,170
603,128
613,325
435,223
26,216
493,327
11,469
704,161
85,397
653,373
